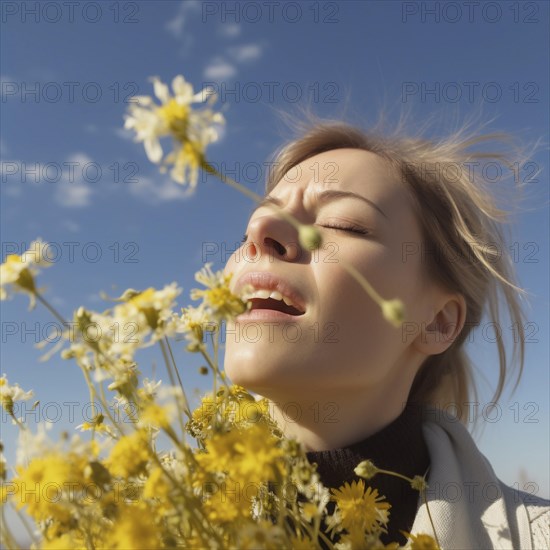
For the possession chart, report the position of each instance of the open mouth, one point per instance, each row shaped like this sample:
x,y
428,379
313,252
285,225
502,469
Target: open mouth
x,y
276,305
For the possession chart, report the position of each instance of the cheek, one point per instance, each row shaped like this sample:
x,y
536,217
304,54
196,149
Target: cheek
x,y
342,299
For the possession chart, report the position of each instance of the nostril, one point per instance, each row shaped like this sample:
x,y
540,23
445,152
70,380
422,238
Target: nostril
x,y
278,246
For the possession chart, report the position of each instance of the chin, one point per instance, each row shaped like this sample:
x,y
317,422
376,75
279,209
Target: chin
x,y
253,374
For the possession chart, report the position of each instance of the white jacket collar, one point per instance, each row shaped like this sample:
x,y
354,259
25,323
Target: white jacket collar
x,y
470,506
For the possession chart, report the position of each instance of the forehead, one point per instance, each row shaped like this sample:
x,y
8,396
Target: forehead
x,y
355,170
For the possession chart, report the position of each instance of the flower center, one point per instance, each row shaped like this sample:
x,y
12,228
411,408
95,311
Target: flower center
x,y
176,116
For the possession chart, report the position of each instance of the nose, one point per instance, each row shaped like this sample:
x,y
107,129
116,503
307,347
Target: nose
x,y
274,236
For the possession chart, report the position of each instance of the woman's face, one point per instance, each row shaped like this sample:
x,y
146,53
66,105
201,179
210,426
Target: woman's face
x,y
341,342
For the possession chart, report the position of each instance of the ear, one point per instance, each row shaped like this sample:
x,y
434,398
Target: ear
x,y
440,332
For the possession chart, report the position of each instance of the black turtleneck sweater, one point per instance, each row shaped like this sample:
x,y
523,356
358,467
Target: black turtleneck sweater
x,y
398,447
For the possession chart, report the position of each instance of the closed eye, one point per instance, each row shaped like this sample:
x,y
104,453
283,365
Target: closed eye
x,y
348,228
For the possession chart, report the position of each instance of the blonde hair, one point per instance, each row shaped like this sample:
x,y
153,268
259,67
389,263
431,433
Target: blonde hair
x,y
456,212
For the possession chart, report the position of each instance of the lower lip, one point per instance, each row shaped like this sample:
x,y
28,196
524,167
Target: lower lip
x,y
266,315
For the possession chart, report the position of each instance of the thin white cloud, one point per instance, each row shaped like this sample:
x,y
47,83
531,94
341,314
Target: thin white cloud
x,y
230,30
11,177
123,133
176,25
159,190
73,195
219,69
247,52
70,226
80,158
73,190
70,190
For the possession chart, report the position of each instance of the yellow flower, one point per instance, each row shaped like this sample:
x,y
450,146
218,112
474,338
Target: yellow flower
x,y
360,508
66,541
263,535
193,323
143,318
302,542
135,526
10,394
19,271
225,501
96,424
422,542
186,160
49,484
157,485
218,299
155,415
129,456
191,130
354,540
152,306
250,455
309,510
236,408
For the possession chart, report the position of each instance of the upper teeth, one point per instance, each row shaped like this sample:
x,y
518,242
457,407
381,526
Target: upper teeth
x,y
265,294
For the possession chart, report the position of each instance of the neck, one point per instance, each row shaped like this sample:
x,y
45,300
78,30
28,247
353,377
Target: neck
x,y
322,423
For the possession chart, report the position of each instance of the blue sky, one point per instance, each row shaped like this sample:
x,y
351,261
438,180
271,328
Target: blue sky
x,y
129,226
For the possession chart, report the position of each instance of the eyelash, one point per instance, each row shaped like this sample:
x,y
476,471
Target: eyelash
x,y
351,228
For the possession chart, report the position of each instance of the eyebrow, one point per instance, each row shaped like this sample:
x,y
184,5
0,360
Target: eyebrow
x,y
323,197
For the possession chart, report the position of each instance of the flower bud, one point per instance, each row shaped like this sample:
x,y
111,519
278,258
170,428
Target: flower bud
x,y
310,238
419,483
394,312
366,469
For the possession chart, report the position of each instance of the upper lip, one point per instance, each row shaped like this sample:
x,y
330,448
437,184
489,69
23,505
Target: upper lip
x,y
263,280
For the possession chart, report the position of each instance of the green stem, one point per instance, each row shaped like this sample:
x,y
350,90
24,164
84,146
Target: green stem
x,y
198,520
104,400
186,401
16,420
430,517
424,498
50,308
173,382
362,281
395,474
254,196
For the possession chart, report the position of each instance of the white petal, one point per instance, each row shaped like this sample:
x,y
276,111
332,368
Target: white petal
x,y
153,149
204,94
142,100
161,90
182,90
177,174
